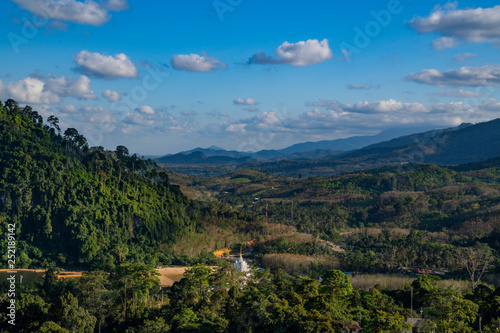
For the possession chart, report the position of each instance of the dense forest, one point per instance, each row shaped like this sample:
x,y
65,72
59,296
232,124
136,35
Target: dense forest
x,y
79,206
117,216
223,300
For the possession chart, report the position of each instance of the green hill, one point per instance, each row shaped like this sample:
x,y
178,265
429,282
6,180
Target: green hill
x,y
73,205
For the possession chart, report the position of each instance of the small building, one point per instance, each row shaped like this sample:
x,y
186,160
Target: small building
x,y
242,266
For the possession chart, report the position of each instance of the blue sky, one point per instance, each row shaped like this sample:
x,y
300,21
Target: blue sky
x,y
165,76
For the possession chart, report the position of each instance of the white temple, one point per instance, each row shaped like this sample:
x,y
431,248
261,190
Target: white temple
x,y
242,265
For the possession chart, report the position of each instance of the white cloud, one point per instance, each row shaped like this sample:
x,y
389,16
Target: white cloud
x,y
445,43
488,75
268,121
456,93
47,90
302,53
196,63
69,87
28,90
245,101
111,96
88,12
464,56
388,106
330,119
144,109
236,128
138,119
474,25
103,66
117,5
385,106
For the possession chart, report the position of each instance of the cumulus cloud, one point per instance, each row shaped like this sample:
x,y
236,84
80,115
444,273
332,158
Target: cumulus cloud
x,y
331,119
87,12
69,87
196,63
245,101
103,66
335,116
111,96
488,75
47,90
144,109
302,53
456,93
385,106
474,25
138,119
236,128
28,90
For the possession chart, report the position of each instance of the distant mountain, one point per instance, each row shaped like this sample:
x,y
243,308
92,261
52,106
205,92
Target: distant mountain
x,y
198,157
351,143
307,150
464,144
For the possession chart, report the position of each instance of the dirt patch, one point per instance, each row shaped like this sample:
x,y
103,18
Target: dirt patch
x,y
30,275
169,275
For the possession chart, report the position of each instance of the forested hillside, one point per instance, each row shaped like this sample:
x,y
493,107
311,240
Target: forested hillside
x,y
116,216
75,205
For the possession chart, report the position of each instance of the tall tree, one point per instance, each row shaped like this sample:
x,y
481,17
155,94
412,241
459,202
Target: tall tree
x,y
476,260
121,153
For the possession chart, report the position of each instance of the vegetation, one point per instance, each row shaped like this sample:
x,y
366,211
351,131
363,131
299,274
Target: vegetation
x,y
223,300
117,216
78,206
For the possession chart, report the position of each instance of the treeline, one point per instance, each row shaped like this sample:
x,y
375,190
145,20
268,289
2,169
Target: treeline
x,y
79,206
223,300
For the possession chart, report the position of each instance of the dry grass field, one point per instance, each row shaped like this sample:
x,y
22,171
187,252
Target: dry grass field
x,y
168,276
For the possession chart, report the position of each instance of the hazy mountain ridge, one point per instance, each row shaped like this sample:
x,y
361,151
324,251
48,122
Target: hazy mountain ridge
x,y
456,145
463,144
306,150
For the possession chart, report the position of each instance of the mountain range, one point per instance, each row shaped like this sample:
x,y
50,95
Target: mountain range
x,y
462,144
306,150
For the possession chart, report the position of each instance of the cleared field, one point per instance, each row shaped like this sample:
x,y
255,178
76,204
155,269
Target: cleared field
x,y
169,275
367,281
32,275
24,275
395,281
